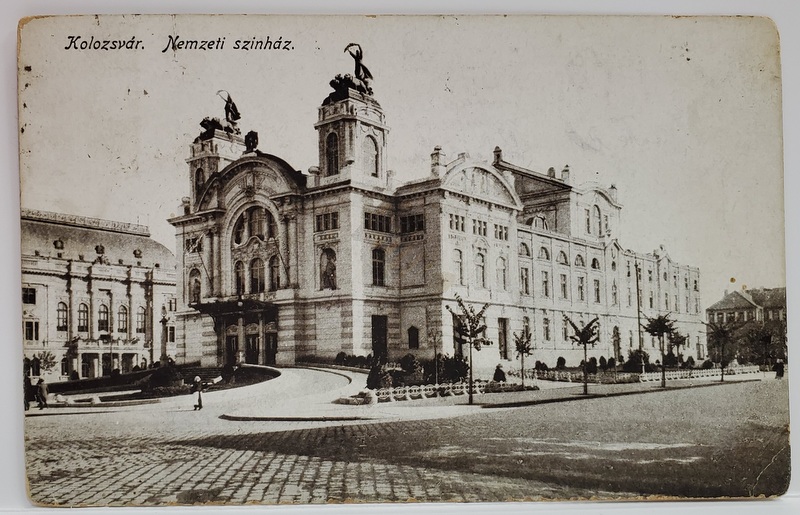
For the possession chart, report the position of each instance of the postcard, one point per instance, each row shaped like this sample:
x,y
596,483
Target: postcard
x,y
391,259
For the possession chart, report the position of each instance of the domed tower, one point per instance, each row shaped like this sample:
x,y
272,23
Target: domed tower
x,y
214,149
352,133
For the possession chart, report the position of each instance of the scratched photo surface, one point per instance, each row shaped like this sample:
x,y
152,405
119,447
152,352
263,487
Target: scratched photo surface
x,y
286,259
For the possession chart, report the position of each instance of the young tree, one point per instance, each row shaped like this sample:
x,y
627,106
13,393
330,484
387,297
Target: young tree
x,y
676,341
473,329
524,347
722,335
586,335
434,339
659,327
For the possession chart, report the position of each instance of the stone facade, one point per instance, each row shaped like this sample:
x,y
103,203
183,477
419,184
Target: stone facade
x,y
275,264
96,295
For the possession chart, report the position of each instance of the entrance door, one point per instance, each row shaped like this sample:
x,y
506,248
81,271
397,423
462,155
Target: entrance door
x,y
379,335
251,349
271,348
231,348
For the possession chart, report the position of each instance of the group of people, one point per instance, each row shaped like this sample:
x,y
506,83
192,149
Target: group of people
x,y
36,393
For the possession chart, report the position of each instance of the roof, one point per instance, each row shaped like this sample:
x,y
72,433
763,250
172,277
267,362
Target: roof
x,y
87,239
747,299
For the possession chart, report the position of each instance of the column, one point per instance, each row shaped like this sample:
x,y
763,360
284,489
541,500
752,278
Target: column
x,y
262,350
241,342
282,249
293,250
217,265
211,272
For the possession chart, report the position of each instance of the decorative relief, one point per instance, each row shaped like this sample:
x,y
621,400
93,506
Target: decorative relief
x,y
381,238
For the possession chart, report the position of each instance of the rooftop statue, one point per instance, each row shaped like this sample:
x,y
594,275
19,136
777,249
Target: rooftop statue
x,y
359,81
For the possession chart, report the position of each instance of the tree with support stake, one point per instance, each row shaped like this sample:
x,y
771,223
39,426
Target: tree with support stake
x,y
659,327
720,336
586,335
472,329
524,347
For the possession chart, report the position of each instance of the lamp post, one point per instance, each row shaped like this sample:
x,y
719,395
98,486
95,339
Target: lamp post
x,y
164,320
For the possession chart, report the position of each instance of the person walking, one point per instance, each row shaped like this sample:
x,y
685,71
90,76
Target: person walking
x,y
197,386
27,389
499,374
41,393
778,368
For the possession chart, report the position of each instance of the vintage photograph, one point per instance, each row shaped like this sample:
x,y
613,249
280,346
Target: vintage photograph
x,y
373,259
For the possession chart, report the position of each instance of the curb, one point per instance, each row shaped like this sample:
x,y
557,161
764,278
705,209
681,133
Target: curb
x,y
334,418
580,397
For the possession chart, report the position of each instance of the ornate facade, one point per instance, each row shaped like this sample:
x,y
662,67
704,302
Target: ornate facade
x,y
97,295
275,264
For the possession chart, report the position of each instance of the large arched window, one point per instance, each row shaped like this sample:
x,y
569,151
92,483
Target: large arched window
x,y
501,273
379,267
597,220
327,270
122,319
256,222
141,320
480,270
238,230
540,222
459,258
274,274
369,156
272,227
102,318
199,180
195,288
238,278
331,154
61,317
83,318
257,284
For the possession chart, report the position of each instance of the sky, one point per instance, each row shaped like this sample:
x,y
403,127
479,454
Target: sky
x,y
683,115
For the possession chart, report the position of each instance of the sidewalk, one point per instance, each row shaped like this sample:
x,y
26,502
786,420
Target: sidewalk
x,y
321,407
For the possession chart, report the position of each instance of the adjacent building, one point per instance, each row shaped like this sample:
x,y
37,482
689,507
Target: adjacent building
x,y
97,295
760,304
274,264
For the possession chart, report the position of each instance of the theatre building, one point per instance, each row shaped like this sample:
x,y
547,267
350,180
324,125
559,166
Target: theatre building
x,y
275,264
97,295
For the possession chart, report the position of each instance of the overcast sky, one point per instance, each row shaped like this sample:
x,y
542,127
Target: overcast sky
x,y
682,114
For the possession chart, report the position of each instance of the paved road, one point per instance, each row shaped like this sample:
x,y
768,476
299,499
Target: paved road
x,y
167,453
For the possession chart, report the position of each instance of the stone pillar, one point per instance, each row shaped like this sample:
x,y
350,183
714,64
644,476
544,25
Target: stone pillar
x,y
76,364
262,349
293,250
282,250
96,371
217,264
209,251
241,341
287,335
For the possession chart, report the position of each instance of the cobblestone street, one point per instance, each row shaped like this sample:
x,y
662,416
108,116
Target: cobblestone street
x,y
166,453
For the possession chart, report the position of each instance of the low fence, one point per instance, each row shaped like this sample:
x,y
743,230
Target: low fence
x,y
628,377
407,393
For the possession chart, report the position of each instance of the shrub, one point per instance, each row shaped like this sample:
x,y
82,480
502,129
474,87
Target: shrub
x,y
341,358
603,363
163,377
635,359
610,364
592,368
707,364
228,372
409,363
689,363
561,363
670,360
73,376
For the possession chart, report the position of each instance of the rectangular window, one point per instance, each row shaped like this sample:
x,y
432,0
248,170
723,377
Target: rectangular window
x,y
650,276
588,222
597,290
581,288
140,321
630,297
375,222
666,301
172,304
171,334
677,305
502,337
563,286
327,222
32,331
546,328
651,300
695,285
605,223
545,284
28,295
61,317
524,280
415,223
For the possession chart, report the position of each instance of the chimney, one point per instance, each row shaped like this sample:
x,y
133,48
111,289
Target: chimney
x,y
438,161
613,192
314,173
551,172
565,174
498,155
187,205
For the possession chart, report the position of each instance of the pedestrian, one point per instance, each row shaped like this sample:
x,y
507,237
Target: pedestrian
x,y
499,375
27,389
41,393
778,368
197,386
